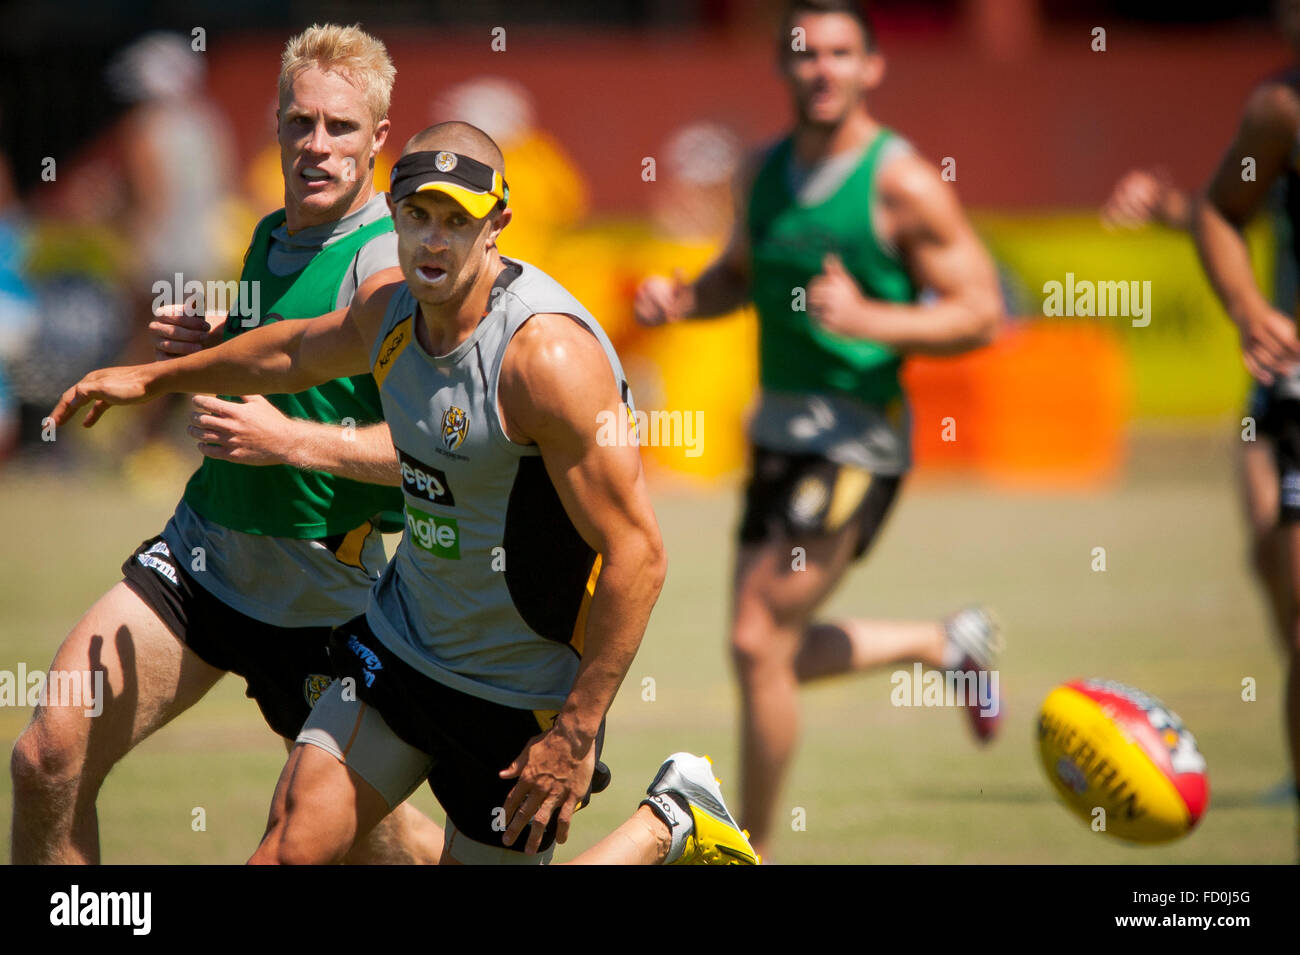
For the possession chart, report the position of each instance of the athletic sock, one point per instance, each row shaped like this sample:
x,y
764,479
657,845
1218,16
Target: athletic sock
x,y
953,654
676,815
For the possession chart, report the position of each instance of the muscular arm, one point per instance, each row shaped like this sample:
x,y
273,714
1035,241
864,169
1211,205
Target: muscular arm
x,y
253,431
555,385
942,254
368,455
281,358
1267,132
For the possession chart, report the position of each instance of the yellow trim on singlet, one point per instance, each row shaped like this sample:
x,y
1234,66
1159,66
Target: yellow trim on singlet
x,y
349,551
580,625
393,345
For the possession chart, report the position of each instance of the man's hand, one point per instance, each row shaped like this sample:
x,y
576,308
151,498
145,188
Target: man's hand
x,y
837,304
554,773
1146,195
247,433
127,385
175,333
661,300
1269,345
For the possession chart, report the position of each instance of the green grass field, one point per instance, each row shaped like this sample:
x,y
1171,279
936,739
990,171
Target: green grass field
x,y
1175,614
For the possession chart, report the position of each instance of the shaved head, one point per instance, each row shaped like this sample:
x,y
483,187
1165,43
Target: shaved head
x,y
457,137
447,224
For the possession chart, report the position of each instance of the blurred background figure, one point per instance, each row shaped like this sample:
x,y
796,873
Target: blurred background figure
x,y
696,203
1149,196
547,191
692,207
178,218
61,314
176,161
17,303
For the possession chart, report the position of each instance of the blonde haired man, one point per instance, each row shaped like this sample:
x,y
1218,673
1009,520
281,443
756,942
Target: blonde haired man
x,y
277,537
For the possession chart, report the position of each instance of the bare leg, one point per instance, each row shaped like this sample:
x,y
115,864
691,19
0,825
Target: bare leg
x,y
1270,557
641,840
61,760
849,646
320,810
1293,660
405,836
776,646
1293,711
774,603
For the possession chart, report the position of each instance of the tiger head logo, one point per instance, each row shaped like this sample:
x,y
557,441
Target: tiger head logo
x,y
455,423
314,686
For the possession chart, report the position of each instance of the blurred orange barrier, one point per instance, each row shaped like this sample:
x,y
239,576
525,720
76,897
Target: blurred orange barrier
x,y
1046,405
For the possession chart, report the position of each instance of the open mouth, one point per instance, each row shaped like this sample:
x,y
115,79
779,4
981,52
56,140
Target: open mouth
x,y
315,176
430,273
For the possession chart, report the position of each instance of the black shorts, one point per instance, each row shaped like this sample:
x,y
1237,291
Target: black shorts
x,y
1284,429
795,497
469,739
287,668
1262,405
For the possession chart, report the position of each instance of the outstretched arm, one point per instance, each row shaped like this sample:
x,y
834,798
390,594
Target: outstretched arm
x,y
281,358
556,385
943,255
1268,128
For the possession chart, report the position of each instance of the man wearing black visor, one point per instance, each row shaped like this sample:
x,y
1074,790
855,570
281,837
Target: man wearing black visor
x,y
495,640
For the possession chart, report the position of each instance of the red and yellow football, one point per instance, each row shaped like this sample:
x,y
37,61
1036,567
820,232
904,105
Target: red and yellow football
x,y
1106,746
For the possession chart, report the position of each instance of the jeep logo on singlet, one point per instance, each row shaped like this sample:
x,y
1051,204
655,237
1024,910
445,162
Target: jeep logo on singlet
x,y
420,480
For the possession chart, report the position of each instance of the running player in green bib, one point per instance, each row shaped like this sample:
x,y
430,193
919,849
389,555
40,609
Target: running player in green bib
x,y
277,537
839,228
